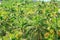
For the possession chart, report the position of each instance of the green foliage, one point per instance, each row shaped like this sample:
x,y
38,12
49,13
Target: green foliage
x,y
29,20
